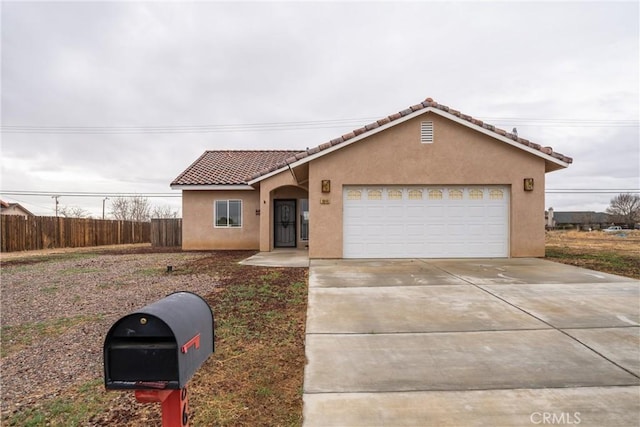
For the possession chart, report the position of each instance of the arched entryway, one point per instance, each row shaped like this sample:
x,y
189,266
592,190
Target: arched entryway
x,y
290,217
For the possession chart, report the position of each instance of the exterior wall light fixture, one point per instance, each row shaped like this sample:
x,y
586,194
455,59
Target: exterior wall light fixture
x,y
528,184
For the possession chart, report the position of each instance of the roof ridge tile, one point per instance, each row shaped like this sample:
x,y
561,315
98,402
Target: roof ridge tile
x,y
257,163
371,126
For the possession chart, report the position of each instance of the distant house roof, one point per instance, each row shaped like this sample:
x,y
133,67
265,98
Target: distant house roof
x,y
578,217
229,167
248,167
14,209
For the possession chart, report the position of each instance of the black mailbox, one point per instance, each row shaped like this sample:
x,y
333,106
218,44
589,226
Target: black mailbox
x,y
159,346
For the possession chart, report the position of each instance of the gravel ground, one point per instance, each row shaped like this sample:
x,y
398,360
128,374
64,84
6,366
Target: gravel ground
x,y
93,290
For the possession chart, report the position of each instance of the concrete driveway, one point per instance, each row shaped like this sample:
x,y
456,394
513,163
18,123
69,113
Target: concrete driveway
x,y
508,342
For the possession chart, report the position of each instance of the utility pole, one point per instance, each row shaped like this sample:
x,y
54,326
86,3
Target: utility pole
x,y
56,197
103,200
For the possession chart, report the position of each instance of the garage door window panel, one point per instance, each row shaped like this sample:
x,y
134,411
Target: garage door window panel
x,y
394,195
415,194
435,194
374,195
496,195
456,194
475,194
354,195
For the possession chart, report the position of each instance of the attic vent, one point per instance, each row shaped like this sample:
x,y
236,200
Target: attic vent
x,y
426,132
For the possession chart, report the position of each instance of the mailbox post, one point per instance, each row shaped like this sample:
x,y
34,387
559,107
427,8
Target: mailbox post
x,y
157,349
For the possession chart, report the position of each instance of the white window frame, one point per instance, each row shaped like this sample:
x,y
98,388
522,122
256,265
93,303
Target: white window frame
x,y
215,213
303,237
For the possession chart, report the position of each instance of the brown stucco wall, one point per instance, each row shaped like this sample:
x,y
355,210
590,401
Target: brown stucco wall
x,y
198,232
458,155
15,210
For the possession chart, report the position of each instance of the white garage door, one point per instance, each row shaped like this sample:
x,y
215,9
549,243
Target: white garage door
x,y
426,222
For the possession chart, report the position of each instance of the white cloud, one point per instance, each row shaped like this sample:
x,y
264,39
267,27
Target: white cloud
x,y
153,64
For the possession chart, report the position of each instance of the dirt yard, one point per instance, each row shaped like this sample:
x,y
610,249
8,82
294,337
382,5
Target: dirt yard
x,y
611,253
58,306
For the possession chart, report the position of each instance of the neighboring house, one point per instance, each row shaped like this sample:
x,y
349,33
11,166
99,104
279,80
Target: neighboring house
x,y
577,219
426,182
13,209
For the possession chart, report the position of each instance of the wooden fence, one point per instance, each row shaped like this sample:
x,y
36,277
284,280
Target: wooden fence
x,y
166,232
18,233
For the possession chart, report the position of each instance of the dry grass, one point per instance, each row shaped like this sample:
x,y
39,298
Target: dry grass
x,y
610,253
254,378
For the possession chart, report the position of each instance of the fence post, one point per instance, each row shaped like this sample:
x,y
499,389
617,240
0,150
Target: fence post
x,y
166,232
18,233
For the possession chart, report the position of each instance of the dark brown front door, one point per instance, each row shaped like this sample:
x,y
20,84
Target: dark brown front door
x,y
284,226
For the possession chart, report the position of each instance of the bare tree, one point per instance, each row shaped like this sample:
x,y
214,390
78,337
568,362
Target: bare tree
x,y
163,212
135,208
73,212
625,208
140,209
120,208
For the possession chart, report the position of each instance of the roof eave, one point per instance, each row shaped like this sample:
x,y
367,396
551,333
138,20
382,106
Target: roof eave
x,y
551,163
554,166
548,158
211,187
336,147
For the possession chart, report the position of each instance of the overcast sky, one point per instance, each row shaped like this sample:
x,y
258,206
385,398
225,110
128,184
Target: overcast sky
x,y
120,97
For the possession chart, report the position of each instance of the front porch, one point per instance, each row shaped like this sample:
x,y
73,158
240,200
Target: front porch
x,y
284,216
279,258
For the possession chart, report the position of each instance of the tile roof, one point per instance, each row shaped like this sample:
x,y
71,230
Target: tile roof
x,y
16,206
230,167
385,120
577,217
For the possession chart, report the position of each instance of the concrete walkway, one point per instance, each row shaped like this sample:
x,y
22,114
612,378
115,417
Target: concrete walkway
x,y
509,342
279,258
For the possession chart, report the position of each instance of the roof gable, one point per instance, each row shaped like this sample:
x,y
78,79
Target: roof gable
x,y
14,207
230,167
553,160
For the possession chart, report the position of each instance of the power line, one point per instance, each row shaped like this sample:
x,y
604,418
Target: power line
x,y
591,191
625,122
178,194
49,208
207,128
296,125
85,194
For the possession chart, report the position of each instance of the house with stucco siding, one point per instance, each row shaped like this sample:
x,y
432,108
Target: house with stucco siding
x,y
7,208
425,182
